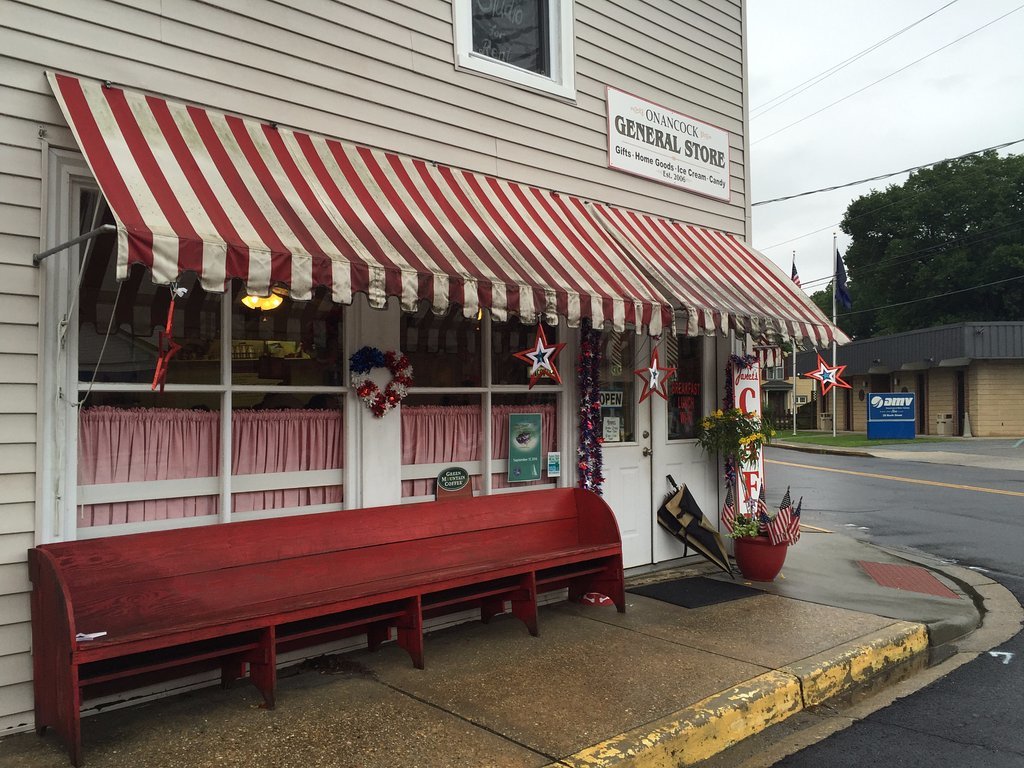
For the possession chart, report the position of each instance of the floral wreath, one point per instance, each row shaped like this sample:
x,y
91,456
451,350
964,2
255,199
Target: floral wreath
x,y
364,361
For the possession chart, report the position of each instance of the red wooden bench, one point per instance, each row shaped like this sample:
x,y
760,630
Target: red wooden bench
x,y
233,596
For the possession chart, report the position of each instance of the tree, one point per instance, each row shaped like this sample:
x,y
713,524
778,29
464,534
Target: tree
x,y
954,226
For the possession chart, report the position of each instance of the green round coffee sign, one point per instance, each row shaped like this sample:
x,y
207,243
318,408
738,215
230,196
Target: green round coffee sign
x,y
452,479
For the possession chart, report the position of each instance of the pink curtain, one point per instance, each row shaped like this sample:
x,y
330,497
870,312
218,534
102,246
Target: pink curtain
x,y
435,433
286,440
432,434
123,445
127,445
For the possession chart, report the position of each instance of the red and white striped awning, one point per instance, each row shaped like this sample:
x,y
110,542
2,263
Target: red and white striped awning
x,y
229,197
720,283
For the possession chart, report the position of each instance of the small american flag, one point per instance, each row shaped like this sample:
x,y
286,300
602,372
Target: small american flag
x,y
728,516
762,512
794,523
795,275
780,528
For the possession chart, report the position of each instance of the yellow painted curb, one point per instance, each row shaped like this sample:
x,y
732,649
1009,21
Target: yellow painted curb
x,y
835,671
700,730
724,719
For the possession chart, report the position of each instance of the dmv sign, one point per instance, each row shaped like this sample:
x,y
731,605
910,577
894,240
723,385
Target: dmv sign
x,y
891,415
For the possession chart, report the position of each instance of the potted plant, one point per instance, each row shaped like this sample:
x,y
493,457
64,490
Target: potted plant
x,y
757,557
738,436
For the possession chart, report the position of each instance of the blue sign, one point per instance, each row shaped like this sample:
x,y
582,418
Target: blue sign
x,y
891,415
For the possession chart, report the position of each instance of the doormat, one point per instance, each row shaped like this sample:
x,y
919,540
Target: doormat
x,y
695,592
912,578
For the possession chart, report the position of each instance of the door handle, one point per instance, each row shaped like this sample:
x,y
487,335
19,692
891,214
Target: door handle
x,y
647,452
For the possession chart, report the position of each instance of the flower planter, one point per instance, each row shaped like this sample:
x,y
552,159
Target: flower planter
x,y
759,559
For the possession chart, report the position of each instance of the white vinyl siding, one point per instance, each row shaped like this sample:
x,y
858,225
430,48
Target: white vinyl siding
x,y
378,73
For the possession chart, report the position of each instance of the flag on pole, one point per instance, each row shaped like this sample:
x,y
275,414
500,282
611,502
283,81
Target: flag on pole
x,y
762,512
842,290
794,523
795,275
780,526
728,516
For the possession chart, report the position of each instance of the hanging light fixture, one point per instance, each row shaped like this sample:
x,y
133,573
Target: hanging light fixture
x,y
266,303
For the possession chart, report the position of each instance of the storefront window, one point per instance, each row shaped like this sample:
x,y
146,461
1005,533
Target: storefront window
x,y
685,403
439,429
618,387
145,455
444,349
513,32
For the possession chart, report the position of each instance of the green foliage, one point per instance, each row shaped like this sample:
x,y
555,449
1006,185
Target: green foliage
x,y
734,433
949,227
744,527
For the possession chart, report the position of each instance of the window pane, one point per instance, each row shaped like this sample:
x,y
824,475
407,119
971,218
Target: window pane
x,y
268,443
295,344
513,31
129,351
513,336
444,350
685,404
618,386
504,410
147,441
439,429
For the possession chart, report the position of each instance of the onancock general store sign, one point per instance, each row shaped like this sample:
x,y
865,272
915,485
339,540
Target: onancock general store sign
x,y
648,140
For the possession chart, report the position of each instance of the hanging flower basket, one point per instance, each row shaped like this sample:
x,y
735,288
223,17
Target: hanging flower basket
x,y
734,434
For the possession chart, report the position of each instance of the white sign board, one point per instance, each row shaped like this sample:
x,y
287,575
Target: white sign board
x,y
654,142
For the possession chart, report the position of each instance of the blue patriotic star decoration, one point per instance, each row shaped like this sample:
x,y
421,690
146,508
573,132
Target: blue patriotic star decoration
x,y
541,358
655,378
829,376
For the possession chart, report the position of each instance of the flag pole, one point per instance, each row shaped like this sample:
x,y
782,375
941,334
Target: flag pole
x,y
794,361
835,274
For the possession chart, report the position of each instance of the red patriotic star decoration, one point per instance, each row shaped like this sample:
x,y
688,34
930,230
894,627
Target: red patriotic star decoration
x,y
829,376
541,358
655,378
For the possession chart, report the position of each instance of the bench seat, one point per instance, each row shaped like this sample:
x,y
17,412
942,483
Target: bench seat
x,y
234,596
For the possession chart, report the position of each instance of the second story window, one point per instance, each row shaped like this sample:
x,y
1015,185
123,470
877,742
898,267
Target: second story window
x,y
528,42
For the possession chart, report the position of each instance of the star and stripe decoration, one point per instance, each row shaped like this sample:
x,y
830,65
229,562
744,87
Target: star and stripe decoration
x,y
654,377
829,376
728,516
541,358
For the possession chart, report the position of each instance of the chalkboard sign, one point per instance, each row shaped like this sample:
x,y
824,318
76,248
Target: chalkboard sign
x,y
513,31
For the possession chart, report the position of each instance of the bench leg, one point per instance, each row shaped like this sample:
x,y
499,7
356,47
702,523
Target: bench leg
x,y
491,607
263,667
610,582
377,634
230,670
524,603
410,631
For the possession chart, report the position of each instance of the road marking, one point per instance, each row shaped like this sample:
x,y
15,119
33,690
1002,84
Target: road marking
x,y
1006,655
896,478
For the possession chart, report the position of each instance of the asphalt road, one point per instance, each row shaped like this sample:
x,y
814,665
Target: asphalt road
x,y
974,516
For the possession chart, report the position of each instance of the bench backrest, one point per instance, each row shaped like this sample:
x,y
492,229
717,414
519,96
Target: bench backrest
x,y
349,545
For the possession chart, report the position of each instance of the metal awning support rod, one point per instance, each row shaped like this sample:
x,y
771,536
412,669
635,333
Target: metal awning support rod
x,y
38,257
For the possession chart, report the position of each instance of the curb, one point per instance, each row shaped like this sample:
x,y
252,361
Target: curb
x,y
716,723
822,449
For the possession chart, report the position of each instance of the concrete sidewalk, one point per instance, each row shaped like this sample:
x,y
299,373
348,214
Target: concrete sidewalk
x,y
660,685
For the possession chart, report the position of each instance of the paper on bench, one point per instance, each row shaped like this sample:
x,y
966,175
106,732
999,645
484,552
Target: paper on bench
x,y
89,635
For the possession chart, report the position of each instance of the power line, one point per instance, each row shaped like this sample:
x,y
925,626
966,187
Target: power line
x,y
887,175
886,77
929,298
905,257
785,96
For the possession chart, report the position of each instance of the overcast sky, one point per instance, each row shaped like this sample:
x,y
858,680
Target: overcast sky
x,y
966,97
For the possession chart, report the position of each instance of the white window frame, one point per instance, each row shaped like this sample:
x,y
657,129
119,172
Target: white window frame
x,y
67,176
561,51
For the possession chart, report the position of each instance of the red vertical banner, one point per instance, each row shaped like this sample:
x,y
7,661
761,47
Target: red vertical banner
x,y
750,470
